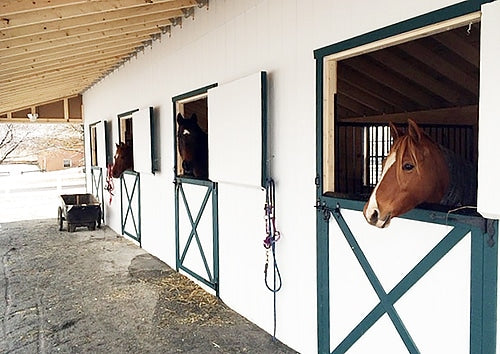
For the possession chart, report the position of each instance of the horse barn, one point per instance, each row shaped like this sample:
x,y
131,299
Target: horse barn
x,y
292,102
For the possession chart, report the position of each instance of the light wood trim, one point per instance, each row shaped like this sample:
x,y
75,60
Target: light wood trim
x,y
407,36
329,91
330,82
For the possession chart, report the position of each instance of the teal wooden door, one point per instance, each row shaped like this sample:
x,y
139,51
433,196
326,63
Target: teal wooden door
x,y
130,204
98,186
196,230
392,293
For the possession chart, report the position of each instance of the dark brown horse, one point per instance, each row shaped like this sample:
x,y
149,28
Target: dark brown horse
x,y
124,159
192,143
417,170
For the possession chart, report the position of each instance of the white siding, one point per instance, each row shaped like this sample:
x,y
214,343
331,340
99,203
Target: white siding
x,y
229,41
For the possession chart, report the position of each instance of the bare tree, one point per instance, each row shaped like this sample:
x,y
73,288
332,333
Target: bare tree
x,y
9,140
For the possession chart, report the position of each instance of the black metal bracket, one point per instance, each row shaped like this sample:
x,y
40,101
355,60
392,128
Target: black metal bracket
x,y
321,207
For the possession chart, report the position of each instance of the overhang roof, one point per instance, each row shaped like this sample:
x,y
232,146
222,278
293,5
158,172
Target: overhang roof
x,y
52,50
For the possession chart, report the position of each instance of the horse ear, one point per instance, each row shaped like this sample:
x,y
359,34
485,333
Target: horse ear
x,y
180,118
414,131
395,133
194,118
117,146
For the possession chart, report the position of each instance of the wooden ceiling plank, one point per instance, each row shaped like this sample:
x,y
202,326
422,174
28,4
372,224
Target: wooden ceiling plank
x,y
58,88
455,43
375,88
100,30
377,73
44,76
88,20
22,100
402,67
363,97
439,64
8,7
29,66
62,72
50,101
71,45
82,9
19,80
355,106
54,48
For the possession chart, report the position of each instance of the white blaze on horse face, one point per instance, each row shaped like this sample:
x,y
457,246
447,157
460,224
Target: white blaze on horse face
x,y
372,202
185,132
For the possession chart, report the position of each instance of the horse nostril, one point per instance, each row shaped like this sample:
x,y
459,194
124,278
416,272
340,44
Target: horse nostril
x,y
374,216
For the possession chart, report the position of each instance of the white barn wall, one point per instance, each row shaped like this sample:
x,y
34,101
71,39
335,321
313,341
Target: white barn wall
x,y
231,40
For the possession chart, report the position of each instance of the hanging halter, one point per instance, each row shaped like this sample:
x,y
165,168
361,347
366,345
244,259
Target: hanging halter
x,y
110,186
272,236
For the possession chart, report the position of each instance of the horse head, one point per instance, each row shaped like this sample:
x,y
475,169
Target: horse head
x,y
192,143
414,172
123,159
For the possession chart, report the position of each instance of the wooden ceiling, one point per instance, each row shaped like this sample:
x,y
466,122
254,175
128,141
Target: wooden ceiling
x,y
432,80
52,50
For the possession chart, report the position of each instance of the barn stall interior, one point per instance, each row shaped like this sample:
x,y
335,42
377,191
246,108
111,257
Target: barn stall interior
x,y
138,65
433,80
430,74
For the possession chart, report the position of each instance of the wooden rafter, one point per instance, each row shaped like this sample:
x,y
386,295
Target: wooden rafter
x,y
52,49
412,79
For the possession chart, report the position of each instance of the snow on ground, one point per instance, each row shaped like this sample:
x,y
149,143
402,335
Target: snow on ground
x,y
28,194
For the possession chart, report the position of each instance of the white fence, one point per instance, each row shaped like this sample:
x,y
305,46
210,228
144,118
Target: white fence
x,y
27,194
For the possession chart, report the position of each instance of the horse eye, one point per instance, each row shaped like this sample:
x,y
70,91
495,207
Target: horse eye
x,y
408,166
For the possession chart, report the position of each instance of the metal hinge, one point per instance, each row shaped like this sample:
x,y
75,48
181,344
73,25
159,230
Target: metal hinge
x,y
317,181
321,207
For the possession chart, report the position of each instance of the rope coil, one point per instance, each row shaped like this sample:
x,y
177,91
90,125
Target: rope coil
x,y
110,185
272,236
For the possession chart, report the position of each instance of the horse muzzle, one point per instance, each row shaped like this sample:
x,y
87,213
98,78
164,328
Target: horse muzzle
x,y
374,218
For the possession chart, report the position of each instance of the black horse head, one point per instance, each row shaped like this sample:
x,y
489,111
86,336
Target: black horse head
x,y
192,143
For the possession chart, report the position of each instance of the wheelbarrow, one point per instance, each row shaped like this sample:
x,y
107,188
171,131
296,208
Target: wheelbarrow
x,y
79,210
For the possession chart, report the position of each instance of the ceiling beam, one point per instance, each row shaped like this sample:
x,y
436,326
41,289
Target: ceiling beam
x,y
95,31
14,106
27,68
466,115
87,20
72,44
442,66
94,65
75,10
404,87
8,7
396,64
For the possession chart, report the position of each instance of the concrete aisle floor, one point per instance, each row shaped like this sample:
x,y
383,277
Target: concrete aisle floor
x,y
95,292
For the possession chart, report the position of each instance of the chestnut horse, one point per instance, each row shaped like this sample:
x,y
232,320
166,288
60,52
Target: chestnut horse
x,y
192,143
417,170
124,160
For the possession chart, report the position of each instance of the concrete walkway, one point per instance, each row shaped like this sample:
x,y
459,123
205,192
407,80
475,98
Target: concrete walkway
x,y
95,292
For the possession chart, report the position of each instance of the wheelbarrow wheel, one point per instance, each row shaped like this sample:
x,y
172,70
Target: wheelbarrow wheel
x,y
60,218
